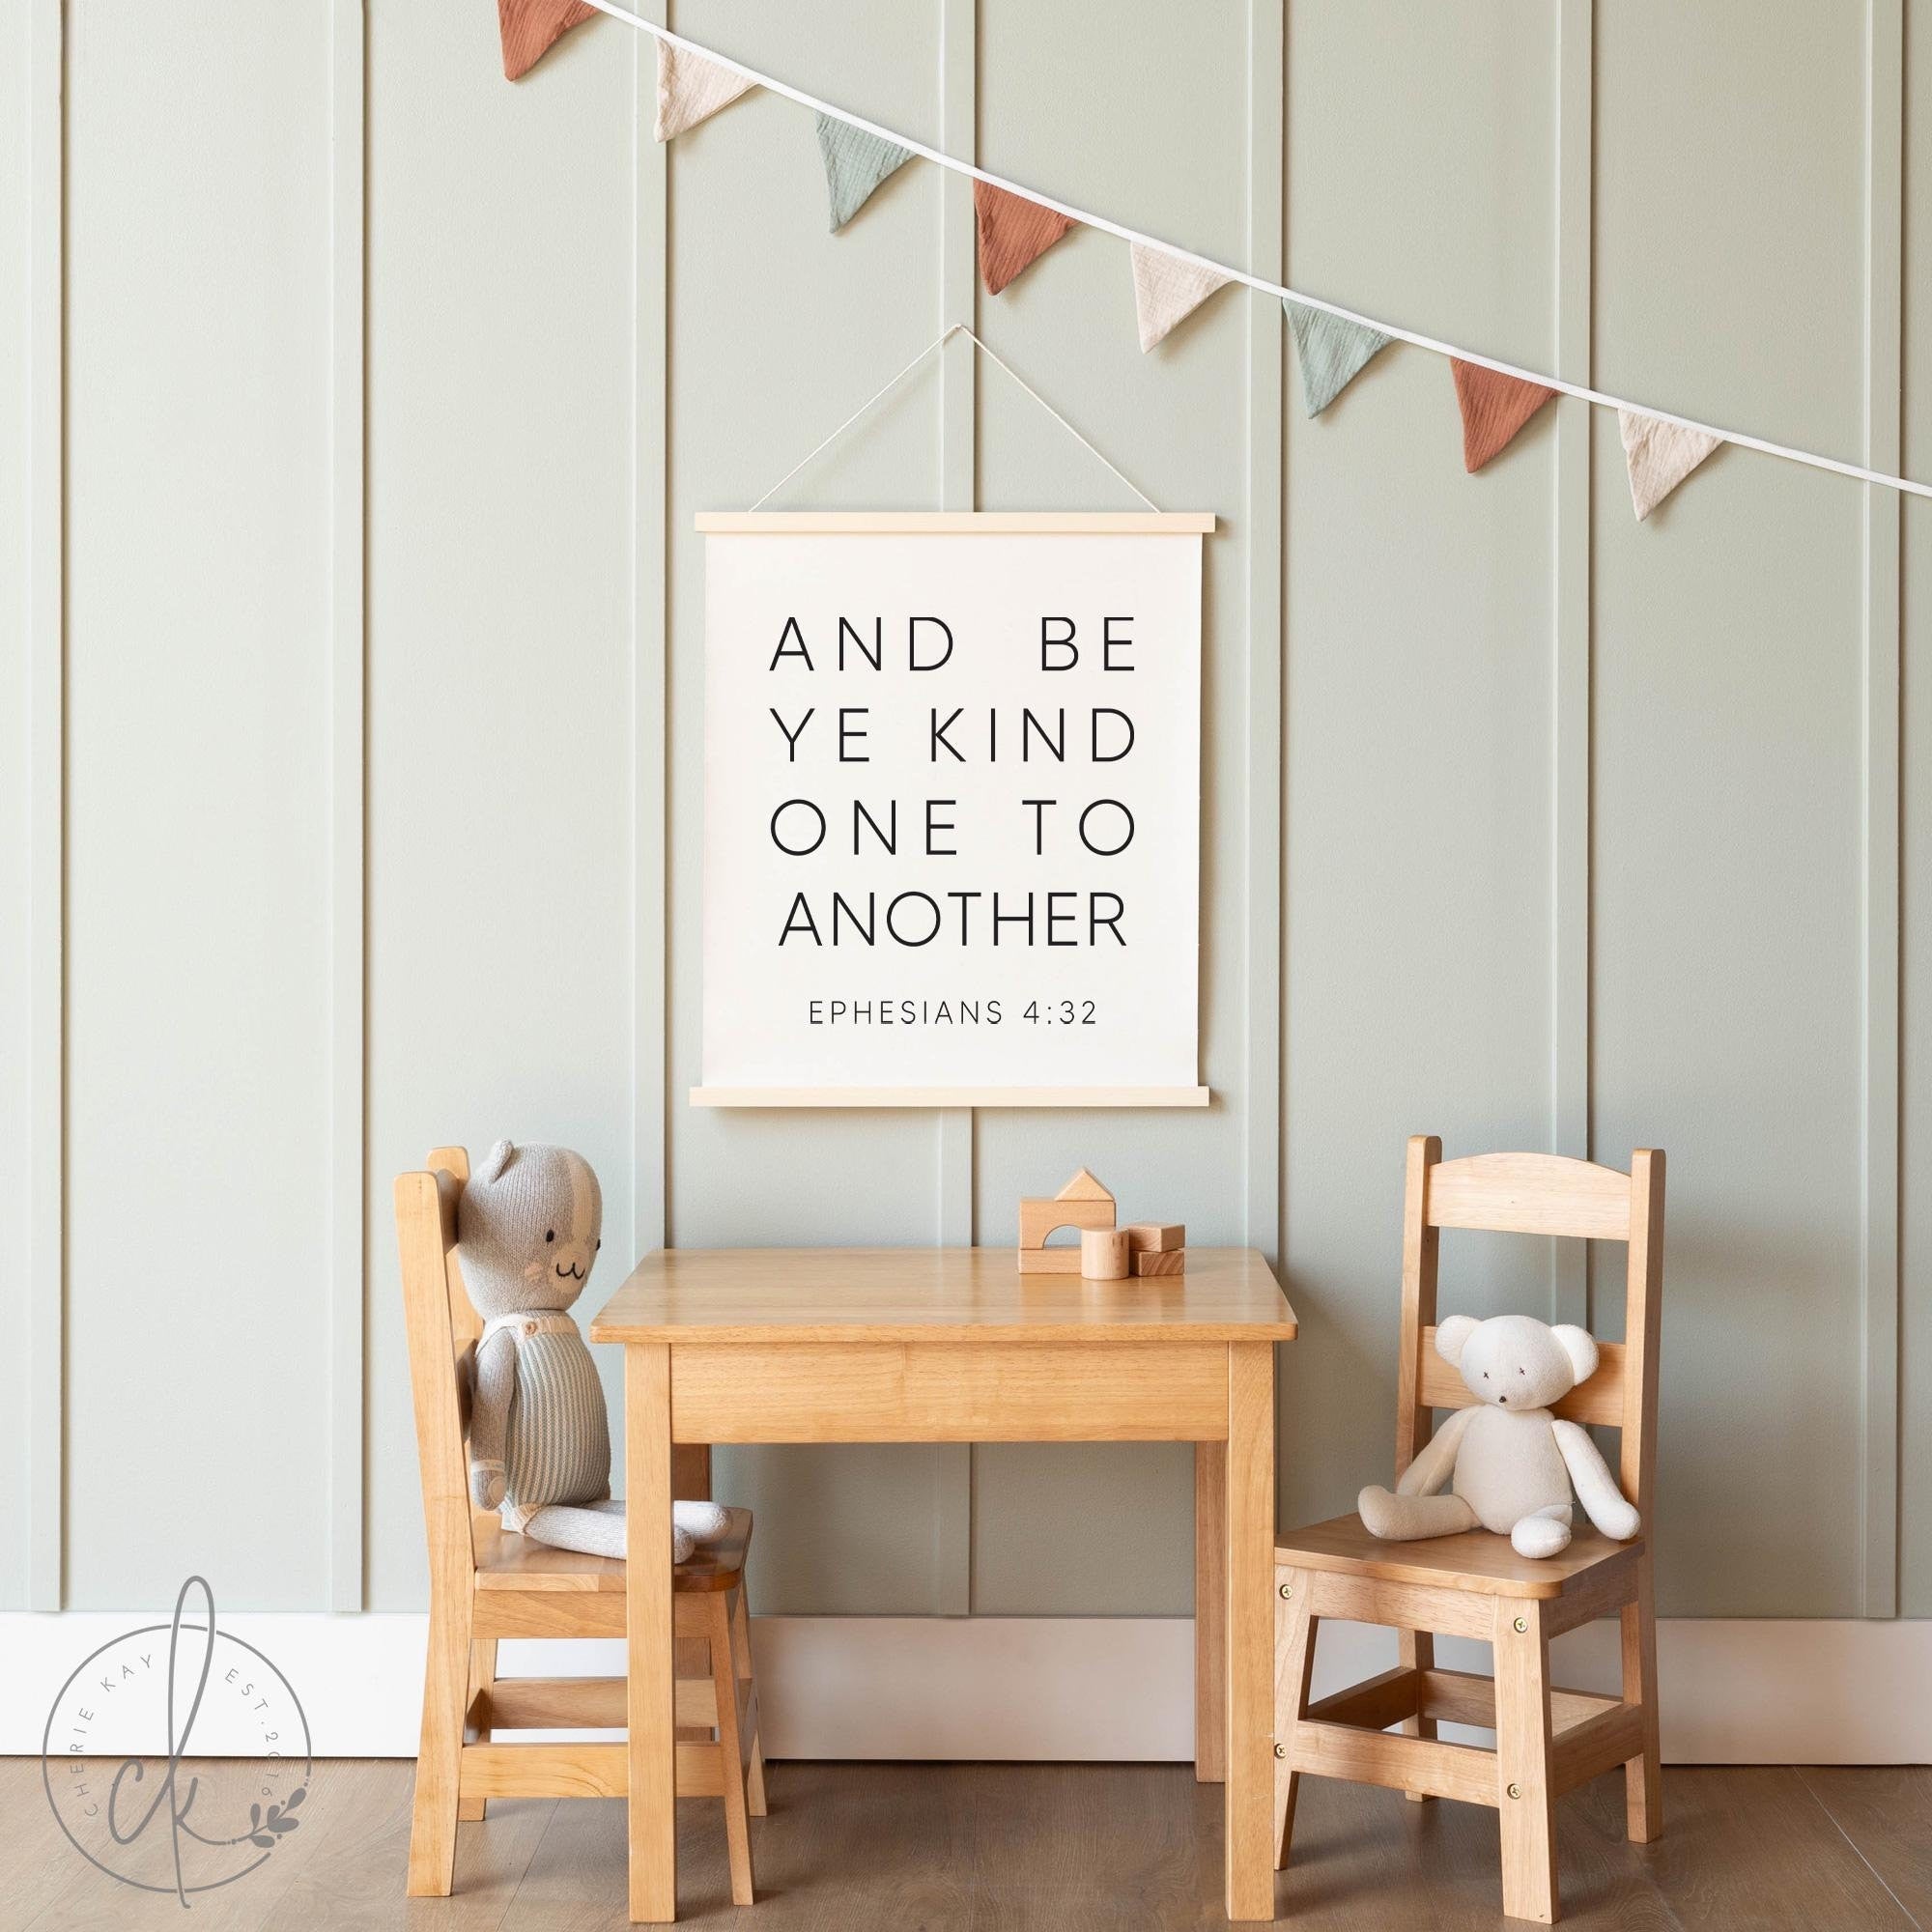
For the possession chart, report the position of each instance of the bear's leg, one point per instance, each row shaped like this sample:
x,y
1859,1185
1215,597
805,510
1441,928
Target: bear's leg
x,y
1406,1518
1547,1533
596,1528
700,1520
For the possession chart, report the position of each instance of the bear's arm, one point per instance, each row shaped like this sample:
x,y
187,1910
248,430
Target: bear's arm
x,y
1603,1503
496,1381
1436,1461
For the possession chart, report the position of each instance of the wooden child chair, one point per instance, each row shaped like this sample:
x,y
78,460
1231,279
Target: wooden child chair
x,y
486,1583
1474,1585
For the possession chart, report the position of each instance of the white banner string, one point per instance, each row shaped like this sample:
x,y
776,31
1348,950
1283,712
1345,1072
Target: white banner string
x,y
1582,391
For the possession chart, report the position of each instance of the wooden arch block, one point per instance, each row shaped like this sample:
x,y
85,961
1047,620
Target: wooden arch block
x,y
1083,1203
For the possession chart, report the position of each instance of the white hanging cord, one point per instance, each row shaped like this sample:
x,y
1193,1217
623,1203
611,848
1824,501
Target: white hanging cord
x,y
879,395
1581,390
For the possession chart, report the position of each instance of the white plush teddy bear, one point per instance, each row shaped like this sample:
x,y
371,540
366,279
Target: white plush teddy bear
x,y
1513,1462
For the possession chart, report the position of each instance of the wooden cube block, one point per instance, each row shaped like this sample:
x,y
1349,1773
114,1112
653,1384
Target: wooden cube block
x,y
1156,1236
1160,1261
1103,1254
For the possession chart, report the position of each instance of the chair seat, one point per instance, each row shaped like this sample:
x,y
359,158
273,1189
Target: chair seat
x,y
508,1561
1475,1560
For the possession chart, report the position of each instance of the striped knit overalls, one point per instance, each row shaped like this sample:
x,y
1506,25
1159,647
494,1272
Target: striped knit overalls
x,y
556,1445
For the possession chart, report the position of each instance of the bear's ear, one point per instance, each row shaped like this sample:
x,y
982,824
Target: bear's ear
x,y
1452,1337
1581,1345
495,1161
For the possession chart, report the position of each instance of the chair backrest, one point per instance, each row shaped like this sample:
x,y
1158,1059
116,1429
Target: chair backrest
x,y
441,1323
1538,1194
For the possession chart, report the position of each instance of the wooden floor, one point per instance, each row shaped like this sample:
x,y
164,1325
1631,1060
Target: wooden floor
x,y
999,1848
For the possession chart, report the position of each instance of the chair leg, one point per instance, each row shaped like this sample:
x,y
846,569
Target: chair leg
x,y
1526,1800
482,1675
741,1648
1415,1650
724,1683
1294,1623
1643,1775
440,1749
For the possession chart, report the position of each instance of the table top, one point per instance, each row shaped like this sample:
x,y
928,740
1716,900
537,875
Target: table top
x,y
934,1294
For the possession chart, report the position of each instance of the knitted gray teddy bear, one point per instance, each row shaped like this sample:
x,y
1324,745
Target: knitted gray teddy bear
x,y
526,1233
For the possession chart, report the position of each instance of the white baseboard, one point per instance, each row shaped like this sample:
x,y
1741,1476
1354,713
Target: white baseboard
x,y
1100,1689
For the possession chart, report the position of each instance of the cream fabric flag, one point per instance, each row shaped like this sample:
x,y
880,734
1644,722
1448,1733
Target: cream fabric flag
x,y
1166,289
691,90
1659,456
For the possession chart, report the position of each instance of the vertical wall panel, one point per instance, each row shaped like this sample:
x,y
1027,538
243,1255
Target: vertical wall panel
x,y
778,330
1726,918
501,368
15,831
1417,963
1154,133
197,545
1916,764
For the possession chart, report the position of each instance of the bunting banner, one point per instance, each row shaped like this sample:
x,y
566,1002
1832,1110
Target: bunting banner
x,y
691,90
856,162
530,28
1494,408
1014,229
1014,233
1659,456
1166,290
1332,352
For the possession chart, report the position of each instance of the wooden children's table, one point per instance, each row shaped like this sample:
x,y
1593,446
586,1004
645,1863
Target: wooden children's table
x,y
954,1344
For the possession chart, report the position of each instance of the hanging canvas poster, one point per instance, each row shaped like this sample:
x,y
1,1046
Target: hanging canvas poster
x,y
951,795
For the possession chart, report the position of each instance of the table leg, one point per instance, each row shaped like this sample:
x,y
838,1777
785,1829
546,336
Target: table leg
x,y
691,1483
1250,1619
648,1704
1210,1600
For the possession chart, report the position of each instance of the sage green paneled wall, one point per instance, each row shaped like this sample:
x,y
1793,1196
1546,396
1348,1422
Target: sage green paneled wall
x,y
1521,822
15,823
1915,906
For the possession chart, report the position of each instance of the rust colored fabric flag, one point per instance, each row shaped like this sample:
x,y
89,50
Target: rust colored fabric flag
x,y
1494,408
530,28
1014,233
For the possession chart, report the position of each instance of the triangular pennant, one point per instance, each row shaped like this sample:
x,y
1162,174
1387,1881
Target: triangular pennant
x,y
1166,289
691,90
856,162
1014,233
1659,456
1332,351
530,28
1494,408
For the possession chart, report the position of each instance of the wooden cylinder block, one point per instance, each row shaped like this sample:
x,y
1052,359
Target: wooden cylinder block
x,y
1104,1254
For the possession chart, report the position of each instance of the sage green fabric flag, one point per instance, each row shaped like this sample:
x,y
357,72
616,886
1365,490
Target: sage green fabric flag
x,y
856,162
1332,351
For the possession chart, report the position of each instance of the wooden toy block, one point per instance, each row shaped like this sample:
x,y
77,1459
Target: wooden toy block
x,y
1103,1254
1084,1187
1082,1204
1160,1261
1049,1260
1040,1218
1156,1236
